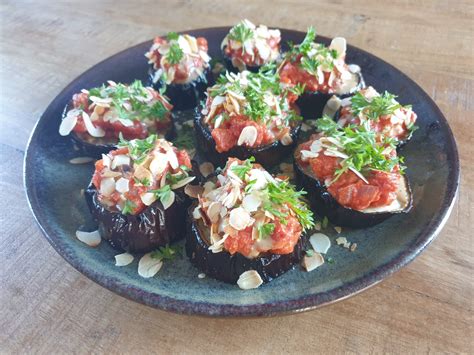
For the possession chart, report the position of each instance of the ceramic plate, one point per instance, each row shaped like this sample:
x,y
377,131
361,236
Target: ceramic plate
x,y
53,188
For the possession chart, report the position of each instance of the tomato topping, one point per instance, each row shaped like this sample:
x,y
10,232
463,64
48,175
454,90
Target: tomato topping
x,y
286,236
241,243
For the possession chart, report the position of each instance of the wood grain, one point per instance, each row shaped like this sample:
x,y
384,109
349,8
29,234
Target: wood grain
x,y
48,307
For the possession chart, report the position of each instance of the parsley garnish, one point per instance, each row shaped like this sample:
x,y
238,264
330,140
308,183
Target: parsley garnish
x,y
266,230
309,252
166,253
241,33
128,207
242,170
175,53
360,144
162,194
138,149
144,181
384,104
172,36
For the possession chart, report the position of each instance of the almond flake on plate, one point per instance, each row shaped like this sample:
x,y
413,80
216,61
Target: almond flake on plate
x,y
249,279
92,239
123,259
148,266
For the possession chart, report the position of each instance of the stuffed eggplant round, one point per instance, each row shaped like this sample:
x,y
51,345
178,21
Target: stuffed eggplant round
x,y
319,72
248,114
248,47
137,194
383,114
179,65
352,177
99,116
245,219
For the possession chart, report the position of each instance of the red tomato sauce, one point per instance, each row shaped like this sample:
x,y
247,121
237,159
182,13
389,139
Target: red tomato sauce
x,y
139,130
293,74
284,238
349,190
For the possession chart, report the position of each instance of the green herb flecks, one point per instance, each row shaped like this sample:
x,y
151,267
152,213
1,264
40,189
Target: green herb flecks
x,y
138,149
166,253
175,53
163,194
265,230
241,33
359,143
128,207
242,170
382,105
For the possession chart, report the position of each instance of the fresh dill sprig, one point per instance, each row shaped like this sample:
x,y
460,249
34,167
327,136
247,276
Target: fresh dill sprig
x,y
240,32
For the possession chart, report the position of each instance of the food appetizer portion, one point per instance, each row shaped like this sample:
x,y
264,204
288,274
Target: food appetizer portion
x,y
381,112
246,221
248,114
100,115
136,194
181,64
321,71
351,175
248,47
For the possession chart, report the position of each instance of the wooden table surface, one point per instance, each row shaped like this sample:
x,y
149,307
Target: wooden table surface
x,y
47,306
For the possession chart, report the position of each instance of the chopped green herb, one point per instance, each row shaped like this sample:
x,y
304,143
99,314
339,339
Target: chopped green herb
x,y
241,33
242,170
384,104
138,148
175,53
163,194
266,230
144,181
166,253
172,36
309,252
330,260
360,144
128,207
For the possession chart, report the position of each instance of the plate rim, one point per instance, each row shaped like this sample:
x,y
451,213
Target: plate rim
x,y
297,305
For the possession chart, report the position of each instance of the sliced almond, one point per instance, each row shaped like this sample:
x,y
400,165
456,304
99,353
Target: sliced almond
x,y
148,198
239,218
168,201
251,202
320,242
120,160
338,230
173,159
312,262
107,186
340,45
92,239
307,154
122,185
94,131
213,211
341,241
159,164
123,259
248,136
183,182
206,168
143,173
249,280
201,275
148,266
81,160
286,139
193,190
68,123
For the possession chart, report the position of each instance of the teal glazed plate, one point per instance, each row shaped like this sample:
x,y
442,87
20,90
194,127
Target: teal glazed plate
x,y
53,188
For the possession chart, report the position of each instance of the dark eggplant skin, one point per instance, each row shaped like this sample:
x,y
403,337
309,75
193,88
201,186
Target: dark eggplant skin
x,y
226,267
144,232
267,155
312,104
185,96
230,67
96,150
326,205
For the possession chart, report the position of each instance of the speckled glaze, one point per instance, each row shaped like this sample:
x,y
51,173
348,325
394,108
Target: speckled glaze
x,y
53,189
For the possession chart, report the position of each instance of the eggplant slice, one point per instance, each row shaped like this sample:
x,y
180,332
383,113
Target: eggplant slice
x,y
312,104
185,96
226,267
267,155
326,205
145,231
231,68
95,150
